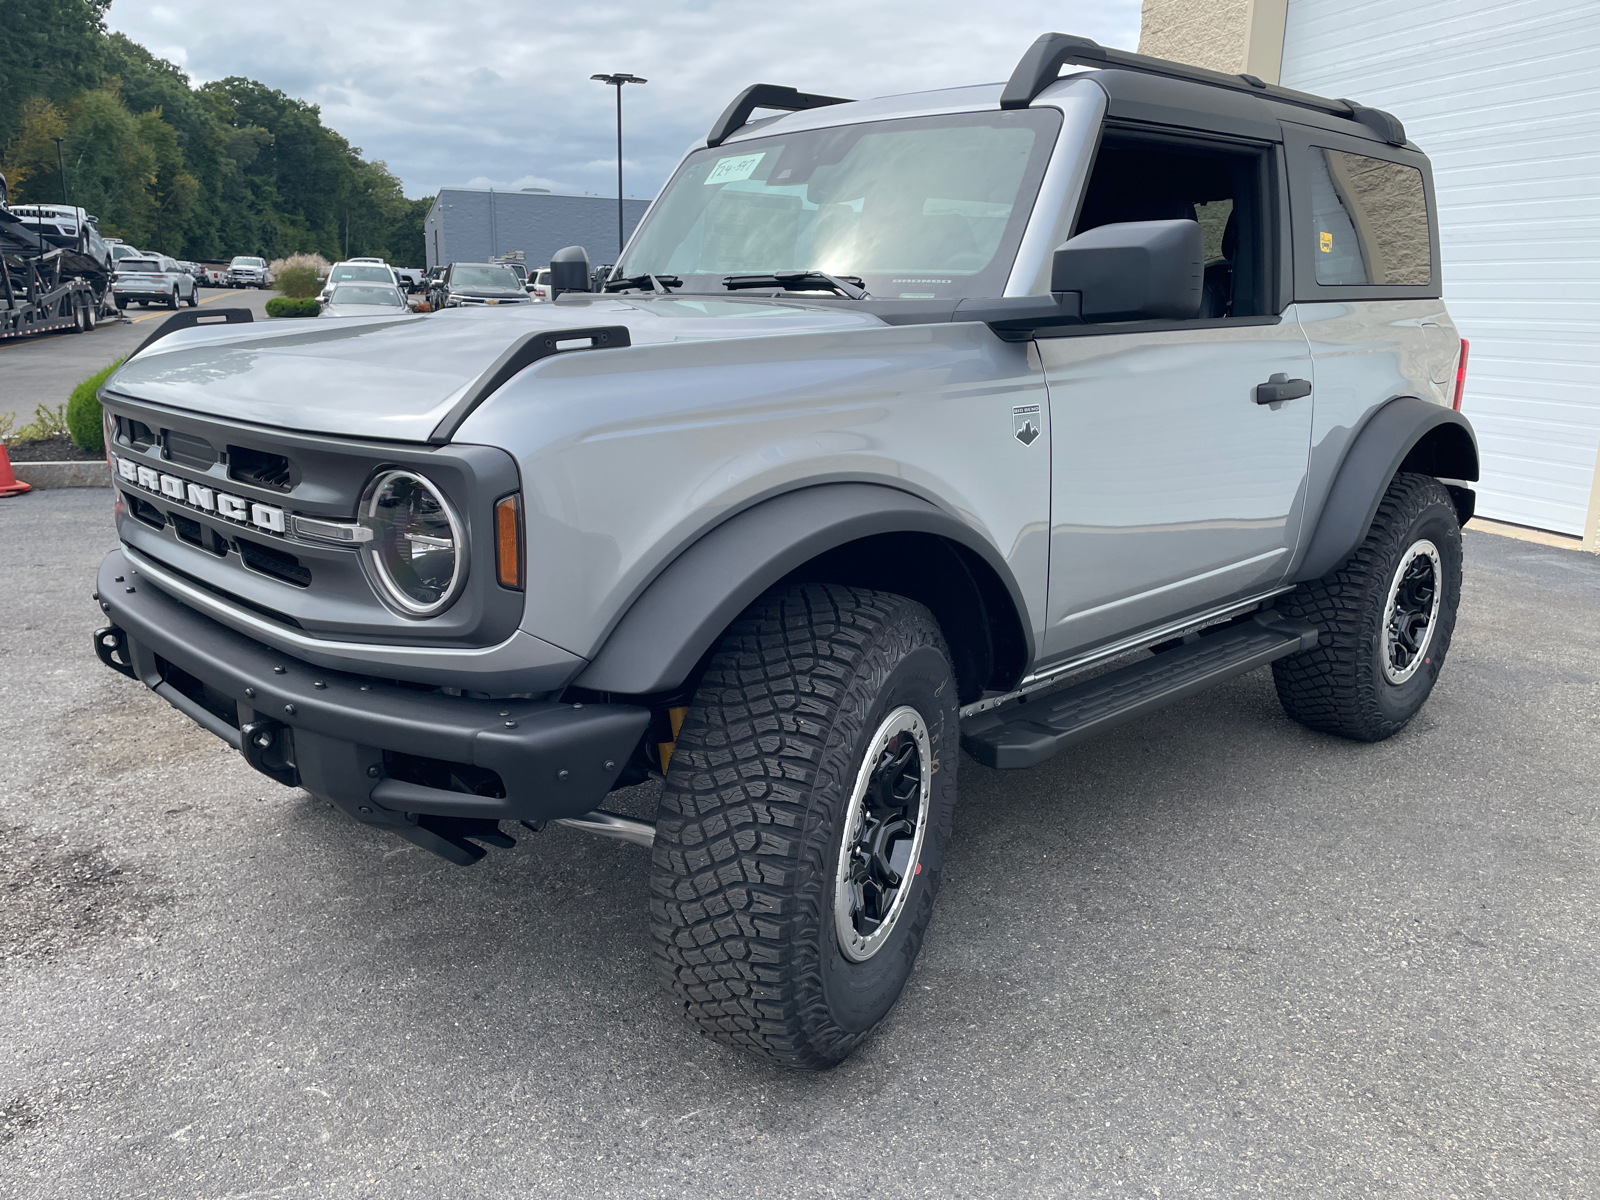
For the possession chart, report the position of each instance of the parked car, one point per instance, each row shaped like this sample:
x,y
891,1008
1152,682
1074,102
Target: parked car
x,y
154,279
983,415
363,300
410,278
67,226
5,192
366,270
465,285
539,288
246,271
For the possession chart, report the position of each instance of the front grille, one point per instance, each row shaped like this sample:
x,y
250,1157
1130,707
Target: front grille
x,y
276,563
259,467
231,527
189,450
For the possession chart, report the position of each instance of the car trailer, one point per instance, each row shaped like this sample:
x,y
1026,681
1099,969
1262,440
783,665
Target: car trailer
x,y
46,289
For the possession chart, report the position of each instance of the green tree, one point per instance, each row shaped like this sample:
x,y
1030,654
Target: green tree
x,y
51,49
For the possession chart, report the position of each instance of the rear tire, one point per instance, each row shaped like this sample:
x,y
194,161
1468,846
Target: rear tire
x,y
1386,617
827,711
172,301
194,297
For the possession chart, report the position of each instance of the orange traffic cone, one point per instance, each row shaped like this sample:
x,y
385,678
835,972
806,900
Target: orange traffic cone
x,y
10,485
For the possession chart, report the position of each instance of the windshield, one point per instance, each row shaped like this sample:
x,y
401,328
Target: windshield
x,y
366,293
501,278
365,274
248,262
920,208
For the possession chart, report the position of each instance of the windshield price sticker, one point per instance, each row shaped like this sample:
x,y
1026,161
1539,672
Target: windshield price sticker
x,y
731,170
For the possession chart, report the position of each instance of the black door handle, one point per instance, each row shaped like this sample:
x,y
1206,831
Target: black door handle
x,y
1281,387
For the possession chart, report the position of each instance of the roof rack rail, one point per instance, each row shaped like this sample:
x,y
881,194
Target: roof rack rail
x,y
764,95
1041,66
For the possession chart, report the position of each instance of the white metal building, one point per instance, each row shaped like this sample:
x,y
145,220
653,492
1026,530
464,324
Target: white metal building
x,y
1504,96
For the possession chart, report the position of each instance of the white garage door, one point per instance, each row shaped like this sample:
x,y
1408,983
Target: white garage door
x,y
1505,99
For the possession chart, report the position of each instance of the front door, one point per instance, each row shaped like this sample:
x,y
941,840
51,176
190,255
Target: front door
x,y
1173,490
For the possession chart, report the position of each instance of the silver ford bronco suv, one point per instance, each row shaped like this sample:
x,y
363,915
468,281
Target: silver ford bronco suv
x,y
996,415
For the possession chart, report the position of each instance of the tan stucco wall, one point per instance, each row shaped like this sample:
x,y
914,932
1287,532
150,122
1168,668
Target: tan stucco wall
x,y
1225,35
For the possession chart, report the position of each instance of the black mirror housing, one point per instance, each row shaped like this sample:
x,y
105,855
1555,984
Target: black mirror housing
x,y
1134,271
569,271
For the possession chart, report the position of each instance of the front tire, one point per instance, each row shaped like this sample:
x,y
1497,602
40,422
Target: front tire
x,y
1386,617
803,823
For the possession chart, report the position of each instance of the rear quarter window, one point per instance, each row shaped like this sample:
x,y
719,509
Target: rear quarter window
x,y
1369,221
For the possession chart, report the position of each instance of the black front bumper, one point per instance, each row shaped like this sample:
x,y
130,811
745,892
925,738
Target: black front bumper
x,y
374,748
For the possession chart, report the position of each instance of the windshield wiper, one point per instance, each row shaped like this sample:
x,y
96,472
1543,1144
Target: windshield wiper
x,y
661,285
849,286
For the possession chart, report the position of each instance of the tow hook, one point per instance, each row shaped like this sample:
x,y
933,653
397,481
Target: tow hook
x,y
268,746
111,648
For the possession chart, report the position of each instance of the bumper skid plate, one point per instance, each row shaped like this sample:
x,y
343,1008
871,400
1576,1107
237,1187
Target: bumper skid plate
x,y
376,749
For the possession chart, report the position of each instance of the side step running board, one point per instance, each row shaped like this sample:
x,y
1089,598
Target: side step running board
x,y
1024,735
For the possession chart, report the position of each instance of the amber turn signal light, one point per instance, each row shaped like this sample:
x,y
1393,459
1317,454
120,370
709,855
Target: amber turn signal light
x,y
508,540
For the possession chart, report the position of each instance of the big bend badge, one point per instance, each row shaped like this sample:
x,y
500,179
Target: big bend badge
x,y
1025,422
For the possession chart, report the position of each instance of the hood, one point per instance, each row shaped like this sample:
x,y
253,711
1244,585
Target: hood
x,y
395,377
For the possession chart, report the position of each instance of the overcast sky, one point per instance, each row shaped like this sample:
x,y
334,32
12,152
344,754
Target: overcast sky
x,y
497,92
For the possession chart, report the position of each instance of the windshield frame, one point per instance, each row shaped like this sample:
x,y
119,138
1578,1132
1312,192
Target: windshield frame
x,y
990,280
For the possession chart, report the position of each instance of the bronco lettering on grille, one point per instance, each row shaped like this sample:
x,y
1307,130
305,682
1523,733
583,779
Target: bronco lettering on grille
x,y
208,500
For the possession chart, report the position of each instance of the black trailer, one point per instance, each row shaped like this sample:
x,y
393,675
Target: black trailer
x,y
46,288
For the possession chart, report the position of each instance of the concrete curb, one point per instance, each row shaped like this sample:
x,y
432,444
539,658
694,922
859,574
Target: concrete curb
x,y
63,474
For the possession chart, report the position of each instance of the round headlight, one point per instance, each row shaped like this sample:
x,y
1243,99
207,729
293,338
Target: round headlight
x,y
417,552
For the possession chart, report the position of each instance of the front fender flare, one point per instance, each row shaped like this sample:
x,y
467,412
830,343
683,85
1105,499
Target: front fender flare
x,y
1375,455
669,628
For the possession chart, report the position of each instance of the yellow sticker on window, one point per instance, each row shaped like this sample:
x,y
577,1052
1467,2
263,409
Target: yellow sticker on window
x,y
1326,239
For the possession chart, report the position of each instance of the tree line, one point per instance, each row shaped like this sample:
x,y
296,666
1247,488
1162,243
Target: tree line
x,y
231,167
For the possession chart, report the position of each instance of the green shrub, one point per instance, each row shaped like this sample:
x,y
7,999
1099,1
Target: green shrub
x,y
83,412
298,282
292,306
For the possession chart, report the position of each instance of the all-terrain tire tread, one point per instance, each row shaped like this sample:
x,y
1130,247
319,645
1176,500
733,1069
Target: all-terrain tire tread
x,y
1331,688
739,849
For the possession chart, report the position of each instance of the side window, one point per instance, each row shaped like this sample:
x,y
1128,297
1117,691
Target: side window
x,y
1223,188
1370,221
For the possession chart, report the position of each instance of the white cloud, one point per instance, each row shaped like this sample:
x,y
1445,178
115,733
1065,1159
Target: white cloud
x,y
500,89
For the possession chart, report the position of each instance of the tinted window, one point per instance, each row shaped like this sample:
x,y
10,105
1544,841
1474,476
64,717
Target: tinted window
x,y
366,293
485,277
129,266
1370,221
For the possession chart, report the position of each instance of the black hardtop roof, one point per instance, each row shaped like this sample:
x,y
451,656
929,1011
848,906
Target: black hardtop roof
x,y
1132,80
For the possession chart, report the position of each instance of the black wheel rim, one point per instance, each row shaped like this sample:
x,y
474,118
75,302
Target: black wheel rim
x,y
1412,612
879,856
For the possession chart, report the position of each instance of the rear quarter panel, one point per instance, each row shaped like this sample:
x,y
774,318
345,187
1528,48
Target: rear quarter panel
x,y
1364,353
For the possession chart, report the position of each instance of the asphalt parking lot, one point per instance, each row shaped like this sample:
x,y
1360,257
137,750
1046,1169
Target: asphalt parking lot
x,y
1211,954
44,370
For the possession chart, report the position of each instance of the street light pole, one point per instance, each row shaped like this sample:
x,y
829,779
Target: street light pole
x,y
61,166
616,81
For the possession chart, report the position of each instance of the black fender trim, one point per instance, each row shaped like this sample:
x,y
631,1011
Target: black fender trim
x,y
1376,454
675,621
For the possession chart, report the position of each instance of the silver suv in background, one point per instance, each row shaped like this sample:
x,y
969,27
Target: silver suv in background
x,y
247,271
153,279
984,418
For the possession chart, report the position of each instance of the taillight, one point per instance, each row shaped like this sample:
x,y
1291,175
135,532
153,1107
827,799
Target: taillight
x,y
508,540
1461,376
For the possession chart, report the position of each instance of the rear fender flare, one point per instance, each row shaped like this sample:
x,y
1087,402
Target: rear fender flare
x,y
1376,454
666,632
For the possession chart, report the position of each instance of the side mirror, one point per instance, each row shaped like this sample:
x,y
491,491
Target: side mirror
x,y
569,271
1134,271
